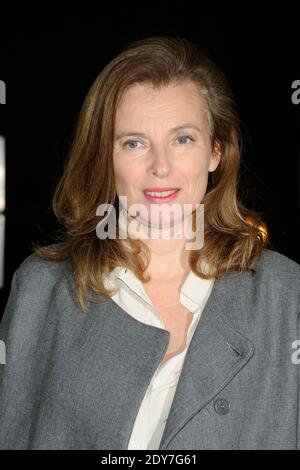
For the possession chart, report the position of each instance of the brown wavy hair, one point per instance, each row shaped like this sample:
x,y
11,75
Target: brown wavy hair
x,y
234,235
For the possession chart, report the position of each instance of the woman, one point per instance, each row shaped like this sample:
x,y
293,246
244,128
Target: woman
x,y
131,341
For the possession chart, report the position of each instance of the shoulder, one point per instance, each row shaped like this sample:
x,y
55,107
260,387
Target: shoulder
x,y
36,272
277,272
272,268
36,280
275,285
264,299
272,261
38,289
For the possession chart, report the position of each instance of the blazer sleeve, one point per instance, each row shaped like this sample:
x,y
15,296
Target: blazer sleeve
x,y
14,414
298,385
25,354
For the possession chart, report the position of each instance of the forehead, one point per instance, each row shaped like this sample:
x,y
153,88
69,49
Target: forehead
x,y
176,100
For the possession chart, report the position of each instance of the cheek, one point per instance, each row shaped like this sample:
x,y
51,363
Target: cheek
x,y
196,181
126,179
196,173
120,178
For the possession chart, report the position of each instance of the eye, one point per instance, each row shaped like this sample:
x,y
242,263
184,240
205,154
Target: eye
x,y
186,137
130,141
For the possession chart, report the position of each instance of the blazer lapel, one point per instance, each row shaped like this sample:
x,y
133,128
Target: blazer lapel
x,y
217,352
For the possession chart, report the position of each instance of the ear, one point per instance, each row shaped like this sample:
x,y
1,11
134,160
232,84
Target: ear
x,y
215,157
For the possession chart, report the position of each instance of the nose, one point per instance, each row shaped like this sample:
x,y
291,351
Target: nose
x,y
160,163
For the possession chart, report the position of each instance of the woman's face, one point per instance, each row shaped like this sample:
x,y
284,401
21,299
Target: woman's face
x,y
162,141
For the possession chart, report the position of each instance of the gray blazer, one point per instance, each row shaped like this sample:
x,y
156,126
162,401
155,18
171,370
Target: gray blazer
x,y
76,381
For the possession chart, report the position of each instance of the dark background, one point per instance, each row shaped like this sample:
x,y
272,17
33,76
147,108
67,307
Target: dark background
x,y
50,59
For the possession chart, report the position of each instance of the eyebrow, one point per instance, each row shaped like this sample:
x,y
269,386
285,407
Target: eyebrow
x,y
141,134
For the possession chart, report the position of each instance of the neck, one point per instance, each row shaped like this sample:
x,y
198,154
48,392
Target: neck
x,y
169,257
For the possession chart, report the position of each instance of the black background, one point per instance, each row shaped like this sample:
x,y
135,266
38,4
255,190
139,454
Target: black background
x,y
49,60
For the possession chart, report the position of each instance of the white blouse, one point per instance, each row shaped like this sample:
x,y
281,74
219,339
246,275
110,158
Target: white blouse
x,y
132,297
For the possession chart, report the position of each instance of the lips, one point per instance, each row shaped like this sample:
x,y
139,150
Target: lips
x,y
158,189
157,195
